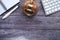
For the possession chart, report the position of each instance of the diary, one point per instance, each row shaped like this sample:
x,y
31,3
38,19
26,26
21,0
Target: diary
x,y
7,4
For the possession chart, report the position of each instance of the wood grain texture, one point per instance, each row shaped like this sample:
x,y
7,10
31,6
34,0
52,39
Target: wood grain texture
x,y
39,27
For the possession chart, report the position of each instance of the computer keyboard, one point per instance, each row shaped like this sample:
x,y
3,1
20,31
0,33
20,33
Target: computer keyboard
x,y
51,6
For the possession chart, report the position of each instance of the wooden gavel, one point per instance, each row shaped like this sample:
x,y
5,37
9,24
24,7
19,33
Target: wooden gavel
x,y
30,8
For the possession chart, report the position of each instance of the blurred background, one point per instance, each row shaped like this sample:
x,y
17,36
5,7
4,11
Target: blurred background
x,y
40,27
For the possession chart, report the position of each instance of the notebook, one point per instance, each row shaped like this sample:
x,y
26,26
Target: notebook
x,y
51,6
7,4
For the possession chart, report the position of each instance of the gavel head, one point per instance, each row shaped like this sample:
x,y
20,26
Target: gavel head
x,y
30,8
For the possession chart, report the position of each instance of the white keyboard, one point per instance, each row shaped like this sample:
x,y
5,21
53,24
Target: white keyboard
x,y
51,6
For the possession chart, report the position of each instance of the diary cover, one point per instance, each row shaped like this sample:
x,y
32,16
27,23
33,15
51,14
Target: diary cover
x,y
7,4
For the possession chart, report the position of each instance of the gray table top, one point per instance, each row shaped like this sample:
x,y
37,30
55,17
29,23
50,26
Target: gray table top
x,y
40,27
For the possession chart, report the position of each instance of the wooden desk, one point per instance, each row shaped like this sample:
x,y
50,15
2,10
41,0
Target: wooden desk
x,y
39,27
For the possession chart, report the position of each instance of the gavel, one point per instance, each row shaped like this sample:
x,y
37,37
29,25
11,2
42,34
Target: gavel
x,y
30,8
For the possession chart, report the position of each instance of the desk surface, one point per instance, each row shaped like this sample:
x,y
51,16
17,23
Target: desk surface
x,y
39,27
